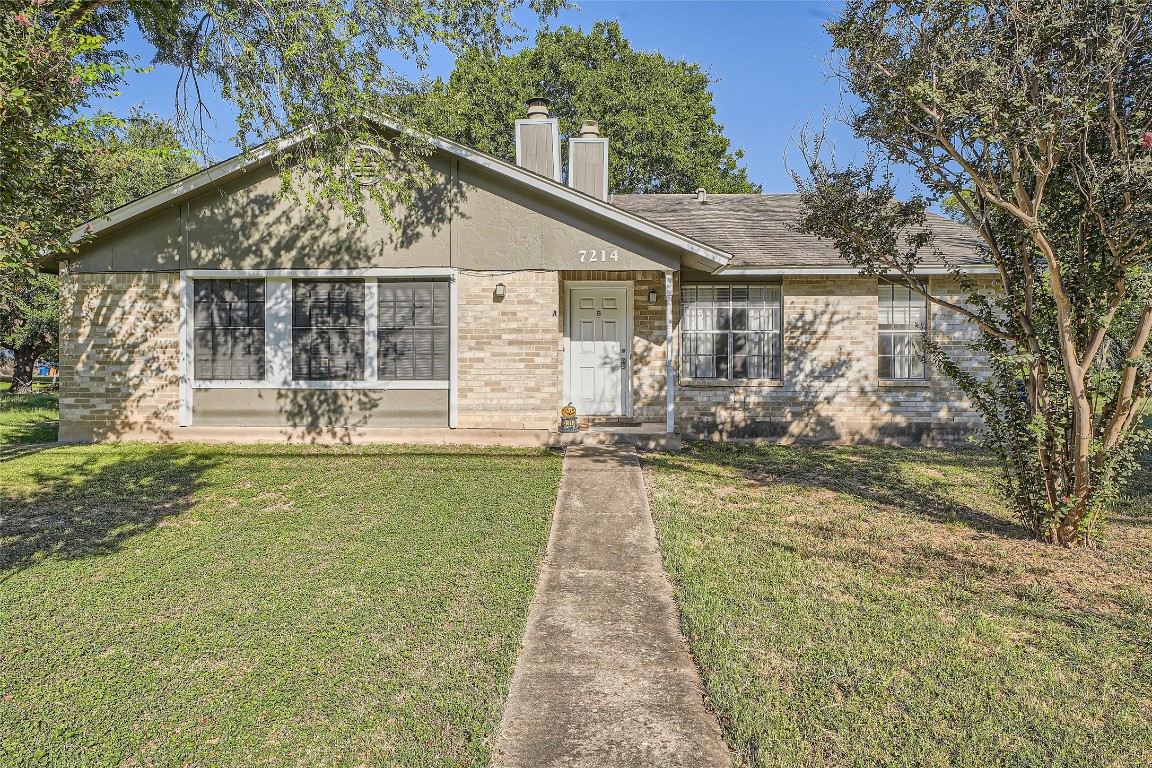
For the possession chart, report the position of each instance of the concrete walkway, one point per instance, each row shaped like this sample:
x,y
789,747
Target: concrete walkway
x,y
604,678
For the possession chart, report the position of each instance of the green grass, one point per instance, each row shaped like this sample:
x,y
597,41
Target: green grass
x,y
245,606
27,418
868,606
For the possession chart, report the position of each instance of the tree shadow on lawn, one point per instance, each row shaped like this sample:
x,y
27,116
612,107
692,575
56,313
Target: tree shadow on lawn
x,y
874,475
93,501
939,536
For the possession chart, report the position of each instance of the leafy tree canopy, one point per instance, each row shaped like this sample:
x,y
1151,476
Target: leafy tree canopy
x,y
125,160
1033,119
656,111
309,68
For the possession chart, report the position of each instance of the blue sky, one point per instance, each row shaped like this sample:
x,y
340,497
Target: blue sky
x,y
765,54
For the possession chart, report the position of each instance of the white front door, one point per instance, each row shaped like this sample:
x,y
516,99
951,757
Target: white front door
x,y
599,350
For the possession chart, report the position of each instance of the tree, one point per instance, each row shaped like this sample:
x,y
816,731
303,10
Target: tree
x,y
312,70
1033,118
128,159
657,111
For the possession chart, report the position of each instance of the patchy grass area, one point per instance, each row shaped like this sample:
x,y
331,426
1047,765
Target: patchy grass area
x,y
256,605
870,606
27,418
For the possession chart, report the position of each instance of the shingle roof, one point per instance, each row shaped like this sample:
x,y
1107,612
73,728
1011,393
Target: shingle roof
x,y
756,229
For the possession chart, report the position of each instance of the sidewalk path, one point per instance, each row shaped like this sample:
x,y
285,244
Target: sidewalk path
x,y
605,679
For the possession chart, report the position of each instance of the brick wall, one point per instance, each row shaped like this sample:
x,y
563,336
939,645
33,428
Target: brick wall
x,y
510,351
119,355
830,389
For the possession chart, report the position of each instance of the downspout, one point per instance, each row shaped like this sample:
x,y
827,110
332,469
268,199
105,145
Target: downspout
x,y
670,378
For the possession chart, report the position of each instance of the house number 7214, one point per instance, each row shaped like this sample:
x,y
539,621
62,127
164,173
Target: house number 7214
x,y
594,255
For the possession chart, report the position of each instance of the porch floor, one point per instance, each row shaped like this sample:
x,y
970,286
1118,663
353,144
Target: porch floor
x,y
648,436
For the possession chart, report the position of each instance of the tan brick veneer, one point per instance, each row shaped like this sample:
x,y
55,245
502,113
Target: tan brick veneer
x,y
119,354
510,350
830,390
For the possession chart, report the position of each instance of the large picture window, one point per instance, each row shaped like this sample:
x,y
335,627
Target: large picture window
x,y
413,330
730,331
903,318
328,330
228,330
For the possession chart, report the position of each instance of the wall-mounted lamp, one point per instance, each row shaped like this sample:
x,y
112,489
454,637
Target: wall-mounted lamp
x,y
501,290
652,296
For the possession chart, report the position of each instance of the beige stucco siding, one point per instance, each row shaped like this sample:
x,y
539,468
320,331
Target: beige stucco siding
x,y
468,217
313,408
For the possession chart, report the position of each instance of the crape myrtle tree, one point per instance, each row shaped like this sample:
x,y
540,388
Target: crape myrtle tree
x,y
1033,120
307,69
123,160
657,111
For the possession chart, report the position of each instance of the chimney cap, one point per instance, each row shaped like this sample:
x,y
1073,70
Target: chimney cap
x,y
537,107
589,129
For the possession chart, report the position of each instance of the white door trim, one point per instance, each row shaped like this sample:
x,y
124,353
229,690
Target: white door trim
x,y
630,300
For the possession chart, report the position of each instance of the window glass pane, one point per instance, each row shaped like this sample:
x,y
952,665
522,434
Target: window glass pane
x,y
228,330
328,330
731,331
903,315
414,321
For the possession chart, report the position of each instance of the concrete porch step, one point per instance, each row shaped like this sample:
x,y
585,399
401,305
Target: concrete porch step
x,y
647,436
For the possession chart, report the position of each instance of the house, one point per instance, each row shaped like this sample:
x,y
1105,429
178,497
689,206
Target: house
x,y
215,309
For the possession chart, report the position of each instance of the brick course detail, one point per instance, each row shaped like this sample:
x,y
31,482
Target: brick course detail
x,y
119,354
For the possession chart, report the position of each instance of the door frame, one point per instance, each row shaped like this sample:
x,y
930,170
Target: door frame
x,y
629,300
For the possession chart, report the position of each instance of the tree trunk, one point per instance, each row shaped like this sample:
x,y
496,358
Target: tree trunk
x,y
22,369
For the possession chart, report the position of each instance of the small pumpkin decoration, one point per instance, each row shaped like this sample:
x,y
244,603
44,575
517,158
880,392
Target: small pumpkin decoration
x,y
568,419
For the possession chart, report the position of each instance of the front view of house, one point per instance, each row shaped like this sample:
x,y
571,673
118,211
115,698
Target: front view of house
x,y
215,309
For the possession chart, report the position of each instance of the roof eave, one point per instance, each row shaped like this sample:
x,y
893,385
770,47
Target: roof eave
x,y
695,250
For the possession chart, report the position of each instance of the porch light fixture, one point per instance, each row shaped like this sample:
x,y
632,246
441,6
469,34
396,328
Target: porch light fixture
x,y
652,296
501,290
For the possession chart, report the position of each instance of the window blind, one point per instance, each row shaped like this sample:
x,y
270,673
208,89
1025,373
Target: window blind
x,y
730,331
228,330
413,327
328,330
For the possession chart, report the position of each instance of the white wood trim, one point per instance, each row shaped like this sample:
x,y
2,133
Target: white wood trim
x,y
371,329
630,303
454,350
277,332
186,334
670,367
819,271
366,272
380,385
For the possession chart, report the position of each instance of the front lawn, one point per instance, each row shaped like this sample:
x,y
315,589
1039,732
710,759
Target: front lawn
x,y
243,606
27,418
870,606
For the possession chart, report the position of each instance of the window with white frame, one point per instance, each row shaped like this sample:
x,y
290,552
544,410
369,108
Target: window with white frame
x,y
903,318
730,331
328,330
228,330
413,329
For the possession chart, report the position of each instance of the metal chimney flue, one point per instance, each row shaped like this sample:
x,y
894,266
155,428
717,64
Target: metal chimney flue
x,y
538,109
701,195
589,129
